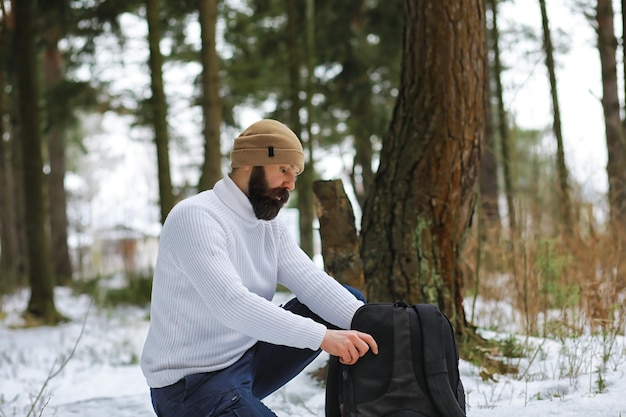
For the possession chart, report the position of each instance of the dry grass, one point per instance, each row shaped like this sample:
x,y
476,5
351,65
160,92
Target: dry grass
x,y
554,283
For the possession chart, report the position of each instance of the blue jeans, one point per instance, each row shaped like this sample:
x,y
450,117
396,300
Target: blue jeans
x,y
239,389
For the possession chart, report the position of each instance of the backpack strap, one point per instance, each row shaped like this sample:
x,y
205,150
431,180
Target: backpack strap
x,y
333,377
436,330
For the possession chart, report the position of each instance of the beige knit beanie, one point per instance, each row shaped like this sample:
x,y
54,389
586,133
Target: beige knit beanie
x,y
267,142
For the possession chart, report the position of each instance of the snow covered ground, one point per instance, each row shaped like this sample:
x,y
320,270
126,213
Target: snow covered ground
x,y
102,376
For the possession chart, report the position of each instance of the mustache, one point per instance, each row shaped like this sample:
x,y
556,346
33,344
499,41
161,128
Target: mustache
x,y
281,194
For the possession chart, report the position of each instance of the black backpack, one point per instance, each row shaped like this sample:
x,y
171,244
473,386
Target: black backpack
x,y
415,373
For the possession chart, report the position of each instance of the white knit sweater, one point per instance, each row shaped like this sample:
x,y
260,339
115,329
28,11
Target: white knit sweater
x,y
215,276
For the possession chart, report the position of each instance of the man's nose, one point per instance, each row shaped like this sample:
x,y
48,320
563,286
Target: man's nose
x,y
290,183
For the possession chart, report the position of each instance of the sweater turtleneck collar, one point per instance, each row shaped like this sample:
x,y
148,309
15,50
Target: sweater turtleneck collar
x,y
235,199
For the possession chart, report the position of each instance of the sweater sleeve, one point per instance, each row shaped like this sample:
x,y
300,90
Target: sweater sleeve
x,y
324,295
199,246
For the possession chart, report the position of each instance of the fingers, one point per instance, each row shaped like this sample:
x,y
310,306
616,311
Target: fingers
x,y
360,344
370,343
348,345
350,356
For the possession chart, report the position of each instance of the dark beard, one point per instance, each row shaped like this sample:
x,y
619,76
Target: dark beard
x,y
264,202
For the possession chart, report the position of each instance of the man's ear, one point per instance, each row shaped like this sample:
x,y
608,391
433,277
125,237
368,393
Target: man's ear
x,y
241,176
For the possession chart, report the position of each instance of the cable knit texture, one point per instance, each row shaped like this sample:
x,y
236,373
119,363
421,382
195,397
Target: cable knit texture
x,y
215,276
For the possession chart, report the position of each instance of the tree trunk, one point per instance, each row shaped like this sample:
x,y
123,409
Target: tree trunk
x,y
41,304
295,66
57,197
489,190
621,200
565,206
340,244
15,258
420,207
359,88
503,126
159,108
306,204
211,102
615,131
9,253
17,166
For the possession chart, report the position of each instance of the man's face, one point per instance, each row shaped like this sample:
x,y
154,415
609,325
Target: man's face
x,y
266,199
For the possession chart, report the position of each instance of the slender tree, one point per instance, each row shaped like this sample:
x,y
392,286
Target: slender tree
x,y
306,207
418,211
355,80
565,206
506,145
489,189
294,66
365,39
41,304
9,243
10,253
53,77
158,105
614,126
211,101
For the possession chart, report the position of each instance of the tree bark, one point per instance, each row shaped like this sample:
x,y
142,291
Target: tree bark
x,y
57,197
9,243
503,128
614,128
294,67
340,244
421,203
306,204
211,102
159,108
14,259
489,189
358,86
565,206
41,304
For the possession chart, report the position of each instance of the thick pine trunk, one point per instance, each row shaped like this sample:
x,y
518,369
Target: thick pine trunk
x,y
421,203
211,102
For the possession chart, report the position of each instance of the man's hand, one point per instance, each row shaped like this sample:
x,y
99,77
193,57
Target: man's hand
x,y
349,345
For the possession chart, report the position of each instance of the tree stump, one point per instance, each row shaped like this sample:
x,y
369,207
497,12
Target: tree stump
x,y
338,234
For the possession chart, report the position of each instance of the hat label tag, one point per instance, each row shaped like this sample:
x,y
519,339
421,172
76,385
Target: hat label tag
x,y
270,151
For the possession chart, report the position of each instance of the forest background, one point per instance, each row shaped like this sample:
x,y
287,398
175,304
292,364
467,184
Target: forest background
x,y
114,110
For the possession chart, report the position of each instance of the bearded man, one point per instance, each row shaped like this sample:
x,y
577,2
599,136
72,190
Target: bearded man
x,y
217,345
